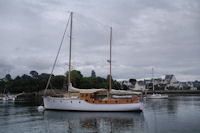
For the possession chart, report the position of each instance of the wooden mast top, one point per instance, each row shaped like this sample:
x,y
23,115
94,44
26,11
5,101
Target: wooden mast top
x,y
70,49
110,78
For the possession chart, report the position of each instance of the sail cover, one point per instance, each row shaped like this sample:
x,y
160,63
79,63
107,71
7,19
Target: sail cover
x,y
76,90
113,91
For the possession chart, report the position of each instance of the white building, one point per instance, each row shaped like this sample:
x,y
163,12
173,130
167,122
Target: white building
x,y
139,85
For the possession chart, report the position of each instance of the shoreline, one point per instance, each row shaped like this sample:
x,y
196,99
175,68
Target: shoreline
x,y
170,92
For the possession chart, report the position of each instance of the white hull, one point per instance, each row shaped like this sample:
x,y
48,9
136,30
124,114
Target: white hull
x,y
82,105
157,96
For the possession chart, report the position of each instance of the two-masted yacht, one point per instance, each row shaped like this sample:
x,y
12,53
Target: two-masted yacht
x,y
92,99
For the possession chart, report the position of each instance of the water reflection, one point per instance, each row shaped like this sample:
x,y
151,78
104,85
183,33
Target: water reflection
x,y
96,121
169,106
178,114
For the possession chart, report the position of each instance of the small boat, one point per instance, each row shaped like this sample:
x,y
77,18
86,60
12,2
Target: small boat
x,y
91,99
157,96
6,97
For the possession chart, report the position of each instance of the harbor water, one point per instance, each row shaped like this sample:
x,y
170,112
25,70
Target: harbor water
x,y
178,114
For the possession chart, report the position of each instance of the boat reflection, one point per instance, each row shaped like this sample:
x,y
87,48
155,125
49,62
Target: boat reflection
x,y
96,121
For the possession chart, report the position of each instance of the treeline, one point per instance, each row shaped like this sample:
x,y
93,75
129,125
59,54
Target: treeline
x,y
34,82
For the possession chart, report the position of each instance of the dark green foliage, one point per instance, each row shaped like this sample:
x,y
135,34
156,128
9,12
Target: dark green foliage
x,y
93,74
2,86
57,82
86,83
171,88
25,83
36,82
186,88
198,88
125,87
116,85
76,77
34,74
132,81
8,77
156,87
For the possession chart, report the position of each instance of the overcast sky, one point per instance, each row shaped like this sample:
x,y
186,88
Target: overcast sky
x,y
159,34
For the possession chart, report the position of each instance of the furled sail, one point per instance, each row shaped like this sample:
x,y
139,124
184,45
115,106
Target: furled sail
x,y
76,90
113,91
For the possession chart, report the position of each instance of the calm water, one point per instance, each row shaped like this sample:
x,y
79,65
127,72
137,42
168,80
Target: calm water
x,y
179,114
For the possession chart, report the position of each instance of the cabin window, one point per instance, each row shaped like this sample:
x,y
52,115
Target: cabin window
x,y
126,101
82,95
115,101
86,95
105,101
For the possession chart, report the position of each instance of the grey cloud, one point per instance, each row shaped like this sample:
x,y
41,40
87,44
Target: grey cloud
x,y
5,67
146,34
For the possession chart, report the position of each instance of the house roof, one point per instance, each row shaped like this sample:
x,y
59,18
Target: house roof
x,y
168,77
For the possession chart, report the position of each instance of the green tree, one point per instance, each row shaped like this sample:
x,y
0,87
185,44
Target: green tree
x,y
132,81
58,81
76,77
2,86
125,87
86,83
116,85
8,77
98,82
34,74
93,74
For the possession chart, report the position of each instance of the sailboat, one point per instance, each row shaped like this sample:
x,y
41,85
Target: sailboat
x,y
90,99
6,97
156,96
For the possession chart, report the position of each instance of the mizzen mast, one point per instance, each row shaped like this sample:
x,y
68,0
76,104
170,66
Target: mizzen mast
x,y
110,78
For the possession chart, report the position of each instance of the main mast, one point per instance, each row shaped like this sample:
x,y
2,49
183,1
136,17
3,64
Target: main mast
x,y
70,49
110,78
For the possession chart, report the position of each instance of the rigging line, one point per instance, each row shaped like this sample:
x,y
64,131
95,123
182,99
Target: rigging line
x,y
56,56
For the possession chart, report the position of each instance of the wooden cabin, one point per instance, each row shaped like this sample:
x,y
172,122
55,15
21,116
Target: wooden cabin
x,y
93,97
